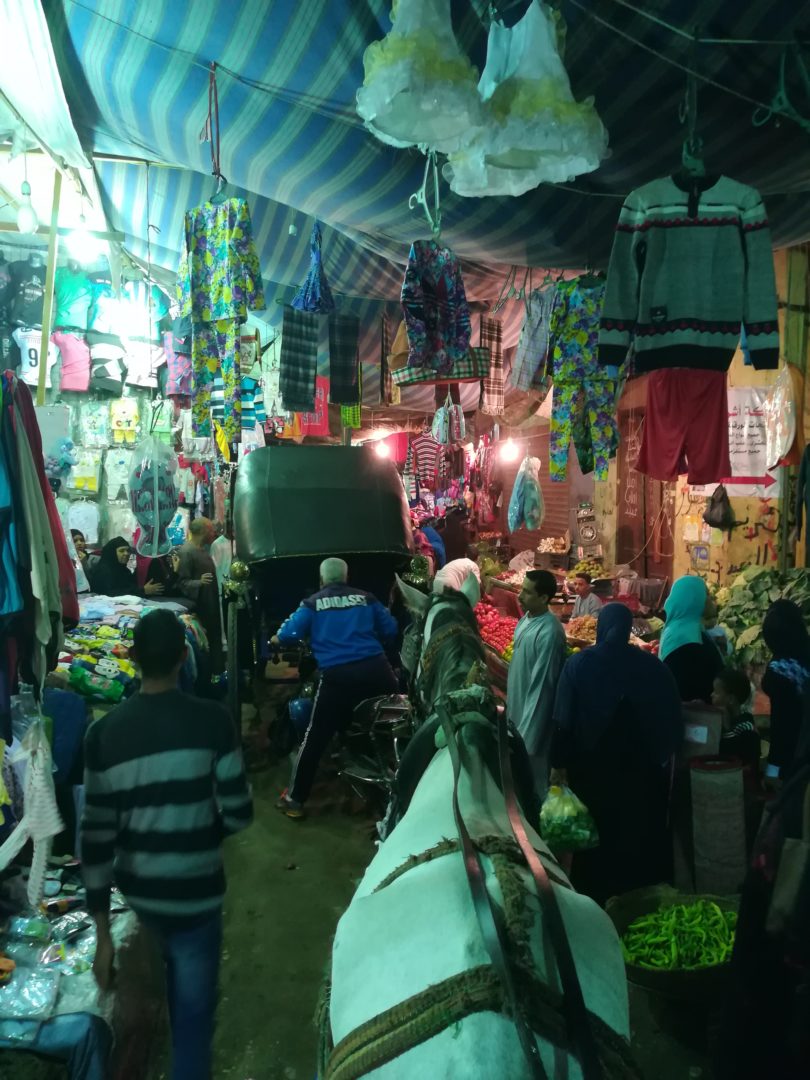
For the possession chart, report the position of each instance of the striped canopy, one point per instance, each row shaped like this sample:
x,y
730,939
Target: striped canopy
x,y
136,78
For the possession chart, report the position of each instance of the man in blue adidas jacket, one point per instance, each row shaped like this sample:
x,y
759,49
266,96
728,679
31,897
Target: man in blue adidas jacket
x,y
348,630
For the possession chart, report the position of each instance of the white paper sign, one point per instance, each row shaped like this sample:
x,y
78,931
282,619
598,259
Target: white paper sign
x,y
696,733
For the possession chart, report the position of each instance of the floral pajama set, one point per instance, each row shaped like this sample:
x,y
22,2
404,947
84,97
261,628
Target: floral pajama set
x,y
219,280
584,402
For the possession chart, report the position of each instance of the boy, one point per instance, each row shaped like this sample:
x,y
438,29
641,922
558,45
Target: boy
x,y
586,603
740,738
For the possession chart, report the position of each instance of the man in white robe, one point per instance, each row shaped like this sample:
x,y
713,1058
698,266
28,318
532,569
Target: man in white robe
x,y
538,659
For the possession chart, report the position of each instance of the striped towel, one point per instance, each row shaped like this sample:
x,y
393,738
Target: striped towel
x,y
298,361
344,360
492,391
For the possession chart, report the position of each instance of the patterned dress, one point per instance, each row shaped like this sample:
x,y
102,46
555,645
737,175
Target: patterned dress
x,y
434,304
219,280
584,403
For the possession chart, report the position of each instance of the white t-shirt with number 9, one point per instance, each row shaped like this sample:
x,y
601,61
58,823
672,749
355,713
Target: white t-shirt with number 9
x,y
29,343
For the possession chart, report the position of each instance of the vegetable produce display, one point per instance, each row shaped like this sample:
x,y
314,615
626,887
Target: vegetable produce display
x,y
683,937
742,606
496,630
583,628
565,822
591,567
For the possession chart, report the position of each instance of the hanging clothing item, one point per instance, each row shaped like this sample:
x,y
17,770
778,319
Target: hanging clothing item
x,y
434,304
299,360
584,413
179,381
253,411
26,293
583,407
142,361
692,261
11,598
117,468
419,87
532,349
75,354
492,390
780,418
219,280
386,382
317,421
426,452
344,360
41,820
526,505
686,426
29,342
535,132
315,294
107,370
124,419
72,294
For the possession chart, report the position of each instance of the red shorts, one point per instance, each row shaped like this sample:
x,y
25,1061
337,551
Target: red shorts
x,y
686,426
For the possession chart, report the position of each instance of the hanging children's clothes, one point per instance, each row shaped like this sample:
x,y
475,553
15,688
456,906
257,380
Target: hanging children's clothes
x,y
426,453
219,280
179,381
117,468
434,304
143,359
253,411
29,342
95,420
72,295
532,350
492,390
85,475
344,360
83,516
107,368
124,418
299,360
75,355
584,403
692,261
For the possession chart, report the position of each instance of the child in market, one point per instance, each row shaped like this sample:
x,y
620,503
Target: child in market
x,y
740,738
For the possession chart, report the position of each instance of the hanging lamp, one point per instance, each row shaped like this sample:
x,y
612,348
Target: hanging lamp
x,y
534,130
419,88
27,220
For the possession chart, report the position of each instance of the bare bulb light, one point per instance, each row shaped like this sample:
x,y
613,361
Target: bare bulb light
x,y
509,450
382,449
27,220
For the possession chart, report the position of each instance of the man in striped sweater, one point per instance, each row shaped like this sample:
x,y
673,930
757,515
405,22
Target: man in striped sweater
x,y
164,785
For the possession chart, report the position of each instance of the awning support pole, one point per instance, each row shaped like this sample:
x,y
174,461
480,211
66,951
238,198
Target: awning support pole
x,y
50,271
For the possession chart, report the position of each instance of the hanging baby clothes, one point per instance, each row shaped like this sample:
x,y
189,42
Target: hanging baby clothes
x,y
75,354
219,279
299,360
434,304
124,418
315,294
179,381
492,391
117,467
107,369
29,342
584,403
344,360
529,364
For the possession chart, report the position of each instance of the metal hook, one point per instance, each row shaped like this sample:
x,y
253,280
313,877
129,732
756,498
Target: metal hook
x,y
419,198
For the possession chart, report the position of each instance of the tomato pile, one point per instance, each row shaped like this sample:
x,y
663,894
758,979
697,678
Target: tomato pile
x,y
497,630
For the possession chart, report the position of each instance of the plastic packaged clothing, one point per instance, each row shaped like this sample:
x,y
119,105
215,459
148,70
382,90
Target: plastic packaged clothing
x,y
526,505
780,419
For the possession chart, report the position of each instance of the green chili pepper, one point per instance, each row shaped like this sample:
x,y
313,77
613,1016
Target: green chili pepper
x,y
681,936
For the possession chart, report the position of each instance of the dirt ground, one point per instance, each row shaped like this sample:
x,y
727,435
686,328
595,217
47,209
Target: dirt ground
x,y
289,882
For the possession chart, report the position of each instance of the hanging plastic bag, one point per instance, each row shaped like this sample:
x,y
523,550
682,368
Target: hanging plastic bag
x,y
526,504
152,495
515,512
780,419
718,512
566,823
458,426
440,429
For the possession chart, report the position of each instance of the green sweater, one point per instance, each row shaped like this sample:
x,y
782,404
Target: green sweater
x,y
691,264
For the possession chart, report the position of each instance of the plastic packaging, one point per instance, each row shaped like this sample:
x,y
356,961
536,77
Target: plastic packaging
x,y
23,711
152,495
30,995
566,823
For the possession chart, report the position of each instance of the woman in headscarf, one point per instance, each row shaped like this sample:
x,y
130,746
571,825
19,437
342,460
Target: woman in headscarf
x,y
784,682
692,659
766,1029
617,724
111,577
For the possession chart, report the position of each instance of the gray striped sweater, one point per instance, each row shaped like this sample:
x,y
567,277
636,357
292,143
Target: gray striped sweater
x,y
164,784
691,264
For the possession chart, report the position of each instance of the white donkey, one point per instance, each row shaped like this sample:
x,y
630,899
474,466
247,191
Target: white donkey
x,y
414,991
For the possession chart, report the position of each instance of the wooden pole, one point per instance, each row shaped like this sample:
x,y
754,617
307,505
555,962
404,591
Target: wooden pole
x,y
50,271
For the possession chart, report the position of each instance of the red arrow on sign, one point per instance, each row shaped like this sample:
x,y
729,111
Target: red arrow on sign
x,y
762,481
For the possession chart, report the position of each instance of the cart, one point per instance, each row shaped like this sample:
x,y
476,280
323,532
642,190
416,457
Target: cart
x,y
295,506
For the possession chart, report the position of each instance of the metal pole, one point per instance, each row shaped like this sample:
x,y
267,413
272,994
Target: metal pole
x,y
50,270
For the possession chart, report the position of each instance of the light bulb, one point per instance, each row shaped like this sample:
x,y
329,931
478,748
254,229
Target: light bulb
x,y
382,449
82,246
509,450
27,220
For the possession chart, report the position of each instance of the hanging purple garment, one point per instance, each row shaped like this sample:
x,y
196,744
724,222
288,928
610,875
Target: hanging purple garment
x,y
315,294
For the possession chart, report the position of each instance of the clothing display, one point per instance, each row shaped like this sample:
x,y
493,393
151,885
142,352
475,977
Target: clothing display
x,y
298,362
426,453
117,467
179,382
692,262
29,343
75,354
217,292
686,426
583,406
315,294
434,304
96,430
73,294
142,361
85,476
532,349
533,130
107,367
26,292
492,390
344,359
124,418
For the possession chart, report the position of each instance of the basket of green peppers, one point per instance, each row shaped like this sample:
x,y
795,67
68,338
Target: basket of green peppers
x,y
676,944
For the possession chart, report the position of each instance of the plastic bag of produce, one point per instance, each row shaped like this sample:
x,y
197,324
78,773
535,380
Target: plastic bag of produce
x,y
566,823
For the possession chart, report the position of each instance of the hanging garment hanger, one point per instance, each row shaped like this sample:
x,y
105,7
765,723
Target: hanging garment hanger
x,y
419,198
